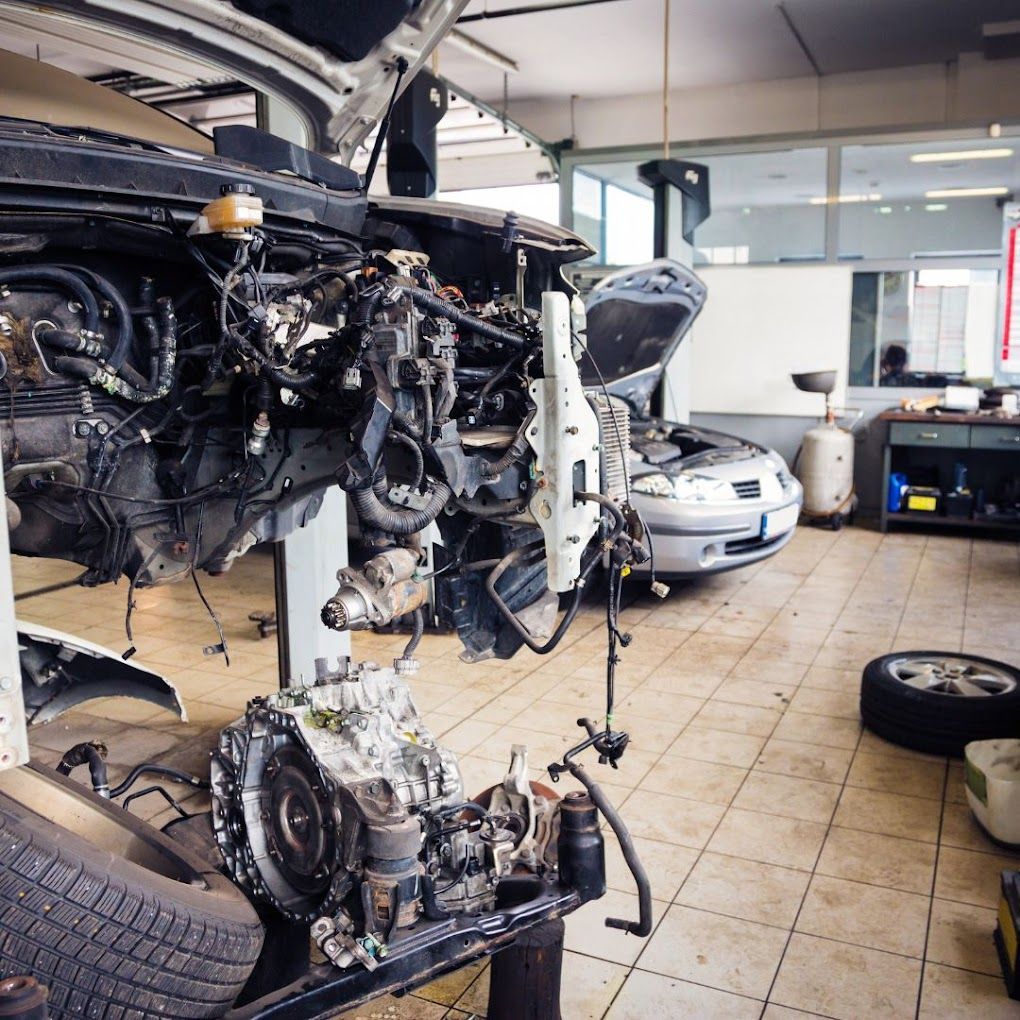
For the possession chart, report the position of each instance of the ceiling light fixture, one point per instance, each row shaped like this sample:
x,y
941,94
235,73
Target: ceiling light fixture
x,y
871,196
967,192
945,157
936,207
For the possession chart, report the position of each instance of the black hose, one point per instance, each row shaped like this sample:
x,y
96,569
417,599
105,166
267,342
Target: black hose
x,y
125,331
93,754
419,460
65,340
619,526
418,629
643,926
62,278
439,306
516,450
152,769
406,521
94,373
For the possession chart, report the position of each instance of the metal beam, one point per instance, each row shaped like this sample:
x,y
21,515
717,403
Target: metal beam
x,y
549,149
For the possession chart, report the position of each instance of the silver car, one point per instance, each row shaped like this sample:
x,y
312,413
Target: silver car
x,y
711,501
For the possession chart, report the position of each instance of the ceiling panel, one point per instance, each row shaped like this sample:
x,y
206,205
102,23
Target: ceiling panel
x,y
867,34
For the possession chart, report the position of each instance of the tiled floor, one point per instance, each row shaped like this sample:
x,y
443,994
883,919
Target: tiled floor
x,y
800,867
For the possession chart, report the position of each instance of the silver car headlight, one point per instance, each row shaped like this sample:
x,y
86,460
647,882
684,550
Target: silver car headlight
x,y
686,487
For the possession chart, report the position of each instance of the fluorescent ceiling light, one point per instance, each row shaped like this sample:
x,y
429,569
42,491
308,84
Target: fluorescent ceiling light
x,y
966,192
872,196
936,207
946,157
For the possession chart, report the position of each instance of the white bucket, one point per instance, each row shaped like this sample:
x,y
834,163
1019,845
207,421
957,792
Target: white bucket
x,y
992,777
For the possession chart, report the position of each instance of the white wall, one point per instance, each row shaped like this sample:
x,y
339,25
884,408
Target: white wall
x,y
762,323
972,91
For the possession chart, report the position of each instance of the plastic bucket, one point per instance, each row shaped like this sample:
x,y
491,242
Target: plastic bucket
x,y
992,778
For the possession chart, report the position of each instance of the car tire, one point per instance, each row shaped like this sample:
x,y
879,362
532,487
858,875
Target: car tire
x,y
931,701
113,917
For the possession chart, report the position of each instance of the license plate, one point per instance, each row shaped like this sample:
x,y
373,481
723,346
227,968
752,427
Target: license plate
x,y
778,521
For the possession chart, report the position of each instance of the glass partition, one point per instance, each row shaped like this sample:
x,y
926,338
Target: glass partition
x,y
921,199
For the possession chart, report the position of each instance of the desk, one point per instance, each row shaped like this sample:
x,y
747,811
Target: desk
x,y
989,446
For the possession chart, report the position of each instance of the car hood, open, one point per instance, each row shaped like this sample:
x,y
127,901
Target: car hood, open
x,y
636,320
333,62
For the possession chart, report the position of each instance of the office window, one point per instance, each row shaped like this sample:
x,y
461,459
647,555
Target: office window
x,y
613,211
925,199
766,207
923,327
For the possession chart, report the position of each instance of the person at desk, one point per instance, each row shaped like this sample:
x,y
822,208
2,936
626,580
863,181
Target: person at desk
x,y
893,366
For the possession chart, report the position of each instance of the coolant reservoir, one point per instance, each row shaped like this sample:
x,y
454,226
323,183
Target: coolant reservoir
x,y
233,214
826,468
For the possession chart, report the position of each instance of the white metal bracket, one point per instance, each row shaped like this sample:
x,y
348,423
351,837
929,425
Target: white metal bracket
x,y
565,437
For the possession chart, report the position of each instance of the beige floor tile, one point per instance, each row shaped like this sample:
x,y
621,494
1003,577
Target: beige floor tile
x,y
774,1012
696,780
669,819
769,669
960,829
587,932
842,705
818,729
706,744
970,877
588,986
805,761
721,952
960,935
667,865
959,993
890,814
769,839
887,861
874,744
865,915
831,678
754,692
897,775
789,796
651,995
846,982
744,889
756,722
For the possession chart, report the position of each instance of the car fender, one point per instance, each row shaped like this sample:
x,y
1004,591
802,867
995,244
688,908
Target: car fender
x,y
60,671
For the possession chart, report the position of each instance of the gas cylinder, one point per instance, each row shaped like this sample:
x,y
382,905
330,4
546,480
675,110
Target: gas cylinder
x,y
826,469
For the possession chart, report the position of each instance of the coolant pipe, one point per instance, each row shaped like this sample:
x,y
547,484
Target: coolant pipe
x,y
93,754
439,306
642,927
63,279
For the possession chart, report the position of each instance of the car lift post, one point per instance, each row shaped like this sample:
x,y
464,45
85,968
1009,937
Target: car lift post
x,y
680,196
306,563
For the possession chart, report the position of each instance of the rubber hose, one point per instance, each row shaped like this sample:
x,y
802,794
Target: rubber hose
x,y
405,521
65,340
93,755
438,306
418,629
62,278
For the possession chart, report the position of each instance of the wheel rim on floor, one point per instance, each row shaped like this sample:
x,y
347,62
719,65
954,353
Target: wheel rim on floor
x,y
955,676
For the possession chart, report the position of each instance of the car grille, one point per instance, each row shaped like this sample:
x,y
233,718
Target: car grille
x,y
751,489
743,545
785,479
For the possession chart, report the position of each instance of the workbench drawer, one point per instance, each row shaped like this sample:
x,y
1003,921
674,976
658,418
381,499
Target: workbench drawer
x,y
995,437
909,433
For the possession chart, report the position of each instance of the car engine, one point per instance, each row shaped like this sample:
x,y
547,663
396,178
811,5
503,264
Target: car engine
x,y
191,351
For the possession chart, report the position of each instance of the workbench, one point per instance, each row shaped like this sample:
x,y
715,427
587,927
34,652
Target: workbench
x,y
988,445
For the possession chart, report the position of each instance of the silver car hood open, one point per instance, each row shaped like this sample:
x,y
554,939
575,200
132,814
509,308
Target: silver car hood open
x,y
332,61
636,320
